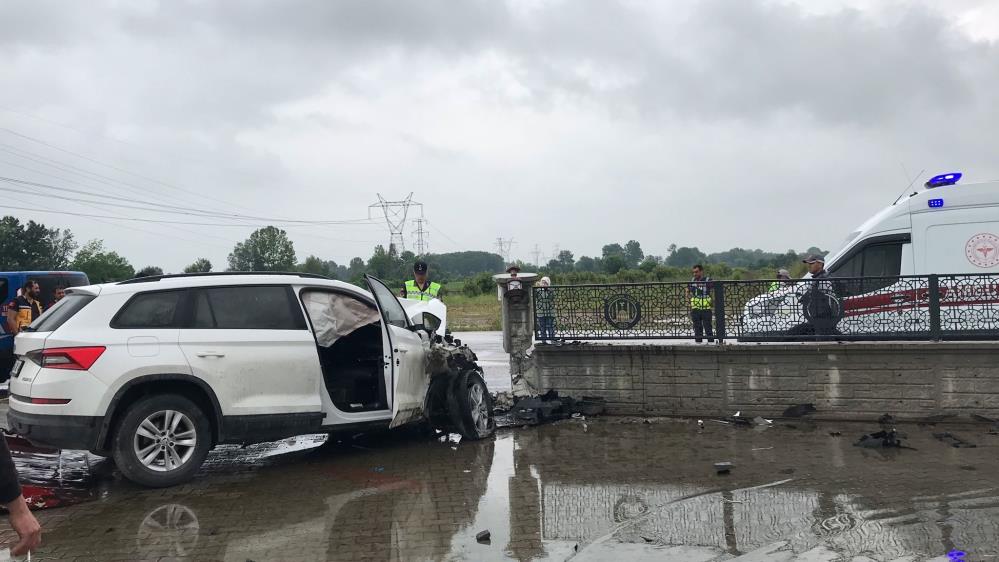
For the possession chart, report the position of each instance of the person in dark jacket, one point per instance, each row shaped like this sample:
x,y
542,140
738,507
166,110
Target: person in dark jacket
x,y
819,303
21,519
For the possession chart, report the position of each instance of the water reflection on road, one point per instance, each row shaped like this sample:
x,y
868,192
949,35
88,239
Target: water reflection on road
x,y
617,490
495,363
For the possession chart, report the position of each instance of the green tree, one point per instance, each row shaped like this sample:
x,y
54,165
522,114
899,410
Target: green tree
x,y
588,264
201,265
614,263
563,263
100,265
684,257
317,266
149,271
384,264
633,253
267,249
34,246
356,269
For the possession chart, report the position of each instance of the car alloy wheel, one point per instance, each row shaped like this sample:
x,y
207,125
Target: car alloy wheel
x,y
165,441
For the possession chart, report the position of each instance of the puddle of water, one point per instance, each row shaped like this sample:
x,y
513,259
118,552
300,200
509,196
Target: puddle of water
x,y
617,491
54,478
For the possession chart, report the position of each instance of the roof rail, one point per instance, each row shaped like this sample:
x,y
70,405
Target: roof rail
x,y
153,278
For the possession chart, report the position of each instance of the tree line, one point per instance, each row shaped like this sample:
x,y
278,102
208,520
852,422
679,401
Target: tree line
x,y
34,246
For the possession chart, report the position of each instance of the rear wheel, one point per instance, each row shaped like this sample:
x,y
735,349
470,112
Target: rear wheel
x,y
470,406
162,441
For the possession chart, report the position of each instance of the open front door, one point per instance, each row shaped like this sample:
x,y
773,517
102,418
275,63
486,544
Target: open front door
x,y
405,356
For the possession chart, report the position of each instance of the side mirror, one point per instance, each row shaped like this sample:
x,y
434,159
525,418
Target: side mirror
x,y
430,323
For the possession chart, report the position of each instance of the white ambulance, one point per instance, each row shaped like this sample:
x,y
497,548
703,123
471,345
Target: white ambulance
x,y
946,229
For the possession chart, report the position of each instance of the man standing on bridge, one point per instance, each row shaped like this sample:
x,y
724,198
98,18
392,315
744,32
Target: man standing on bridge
x,y
699,291
421,288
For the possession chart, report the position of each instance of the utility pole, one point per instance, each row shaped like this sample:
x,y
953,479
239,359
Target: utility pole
x,y
537,255
503,246
395,213
422,237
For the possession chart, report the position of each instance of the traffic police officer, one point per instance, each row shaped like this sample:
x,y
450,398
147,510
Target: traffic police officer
x,y
421,288
699,291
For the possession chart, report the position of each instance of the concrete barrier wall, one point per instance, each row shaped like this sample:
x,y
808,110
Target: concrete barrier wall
x,y
844,381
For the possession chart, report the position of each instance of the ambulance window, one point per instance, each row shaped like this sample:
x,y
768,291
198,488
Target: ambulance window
x,y
850,268
882,261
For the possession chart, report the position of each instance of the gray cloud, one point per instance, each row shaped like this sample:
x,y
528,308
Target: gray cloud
x,y
307,108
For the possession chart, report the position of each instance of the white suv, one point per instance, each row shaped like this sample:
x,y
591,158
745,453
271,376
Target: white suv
x,y
156,371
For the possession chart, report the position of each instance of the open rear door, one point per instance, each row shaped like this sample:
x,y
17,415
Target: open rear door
x,y
405,356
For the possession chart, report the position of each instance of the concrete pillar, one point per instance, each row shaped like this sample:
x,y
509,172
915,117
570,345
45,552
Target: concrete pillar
x,y
518,328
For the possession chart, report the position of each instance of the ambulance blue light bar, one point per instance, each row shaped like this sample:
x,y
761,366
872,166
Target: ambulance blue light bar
x,y
944,179
935,203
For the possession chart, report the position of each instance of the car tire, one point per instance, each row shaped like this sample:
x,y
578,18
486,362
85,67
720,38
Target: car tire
x,y
470,406
162,441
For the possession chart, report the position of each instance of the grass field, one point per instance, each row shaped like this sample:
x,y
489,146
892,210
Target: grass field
x,y
473,314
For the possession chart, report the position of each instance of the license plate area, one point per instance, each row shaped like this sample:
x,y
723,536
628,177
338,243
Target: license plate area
x,y
16,369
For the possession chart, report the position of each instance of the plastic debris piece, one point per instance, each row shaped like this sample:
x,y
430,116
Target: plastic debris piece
x,y
799,411
483,536
954,441
724,467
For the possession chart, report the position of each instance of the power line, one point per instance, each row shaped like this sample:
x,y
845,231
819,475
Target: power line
x,y
117,168
503,245
161,208
395,213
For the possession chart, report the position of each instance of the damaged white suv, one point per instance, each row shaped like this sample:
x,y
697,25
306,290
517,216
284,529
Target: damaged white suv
x,y
158,370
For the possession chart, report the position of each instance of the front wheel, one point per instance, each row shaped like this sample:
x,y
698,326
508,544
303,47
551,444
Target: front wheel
x,y
471,406
162,441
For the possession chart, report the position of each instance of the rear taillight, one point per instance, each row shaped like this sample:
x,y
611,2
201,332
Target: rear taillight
x,y
69,358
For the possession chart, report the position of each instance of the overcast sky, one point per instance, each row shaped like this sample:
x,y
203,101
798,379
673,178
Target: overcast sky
x,y
717,123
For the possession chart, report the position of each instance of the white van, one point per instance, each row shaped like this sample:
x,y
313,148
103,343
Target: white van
x,y
945,229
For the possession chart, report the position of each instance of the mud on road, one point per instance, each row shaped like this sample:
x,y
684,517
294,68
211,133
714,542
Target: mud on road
x,y
582,490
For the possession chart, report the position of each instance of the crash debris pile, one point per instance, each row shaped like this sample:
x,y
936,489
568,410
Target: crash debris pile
x,y
549,407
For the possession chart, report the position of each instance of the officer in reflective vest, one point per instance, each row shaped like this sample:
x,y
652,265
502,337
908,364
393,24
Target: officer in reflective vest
x,y
783,278
420,288
699,291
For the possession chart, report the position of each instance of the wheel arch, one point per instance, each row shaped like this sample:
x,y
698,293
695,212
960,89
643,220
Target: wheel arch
x,y
186,385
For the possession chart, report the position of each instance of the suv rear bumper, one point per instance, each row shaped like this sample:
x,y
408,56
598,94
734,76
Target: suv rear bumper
x,y
64,432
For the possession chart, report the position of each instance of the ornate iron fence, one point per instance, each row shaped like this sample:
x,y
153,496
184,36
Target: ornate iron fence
x,y
933,307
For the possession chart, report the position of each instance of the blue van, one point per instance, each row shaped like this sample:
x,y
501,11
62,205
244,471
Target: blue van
x,y
10,283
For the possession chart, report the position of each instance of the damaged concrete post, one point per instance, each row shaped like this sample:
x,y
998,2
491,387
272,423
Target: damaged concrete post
x,y
517,304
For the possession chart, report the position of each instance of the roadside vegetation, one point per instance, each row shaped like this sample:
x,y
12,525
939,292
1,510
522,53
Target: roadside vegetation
x,y
470,292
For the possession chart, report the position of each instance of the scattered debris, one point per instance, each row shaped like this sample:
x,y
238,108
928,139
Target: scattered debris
x,y
550,407
502,402
483,537
799,411
787,471
724,467
758,420
953,440
888,437
763,448
835,433
738,419
700,424
732,501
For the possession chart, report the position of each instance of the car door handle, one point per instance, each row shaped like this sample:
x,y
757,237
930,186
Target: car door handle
x,y
210,354
400,351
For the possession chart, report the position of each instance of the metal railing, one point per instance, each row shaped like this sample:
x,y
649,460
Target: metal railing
x,y
931,307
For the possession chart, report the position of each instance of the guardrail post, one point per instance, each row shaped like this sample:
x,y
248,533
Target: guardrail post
x,y
719,310
934,289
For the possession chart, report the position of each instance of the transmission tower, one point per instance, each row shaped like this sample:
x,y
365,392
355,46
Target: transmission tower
x,y
536,252
422,237
503,246
395,213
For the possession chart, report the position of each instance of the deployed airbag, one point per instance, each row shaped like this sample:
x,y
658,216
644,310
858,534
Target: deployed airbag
x,y
335,315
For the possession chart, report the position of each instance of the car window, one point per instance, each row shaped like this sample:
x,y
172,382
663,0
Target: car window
x,y
392,311
248,308
48,283
203,315
4,285
60,312
150,310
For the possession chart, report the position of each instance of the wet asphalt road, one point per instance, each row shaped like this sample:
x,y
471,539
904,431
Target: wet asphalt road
x,y
601,489
495,363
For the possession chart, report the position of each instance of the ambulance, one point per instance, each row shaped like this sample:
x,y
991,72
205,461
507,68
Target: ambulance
x,y
945,229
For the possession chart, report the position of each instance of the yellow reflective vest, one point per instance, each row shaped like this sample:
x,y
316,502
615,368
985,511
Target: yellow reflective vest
x,y
413,291
700,294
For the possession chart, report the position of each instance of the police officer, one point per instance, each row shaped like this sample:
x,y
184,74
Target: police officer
x,y
783,276
699,290
420,288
